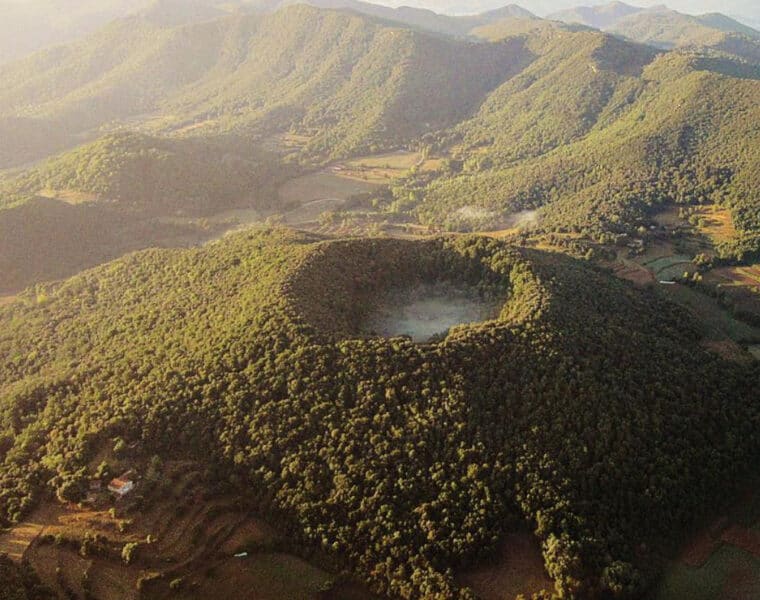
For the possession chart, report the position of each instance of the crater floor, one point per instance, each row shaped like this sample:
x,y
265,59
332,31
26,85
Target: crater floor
x,y
426,311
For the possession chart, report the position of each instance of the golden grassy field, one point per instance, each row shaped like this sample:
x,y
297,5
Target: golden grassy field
x,y
717,223
748,276
384,168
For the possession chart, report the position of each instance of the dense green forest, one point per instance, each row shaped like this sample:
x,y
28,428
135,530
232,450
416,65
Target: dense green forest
x,y
586,409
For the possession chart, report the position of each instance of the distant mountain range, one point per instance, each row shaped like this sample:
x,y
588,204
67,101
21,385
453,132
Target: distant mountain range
x,y
748,9
35,24
658,26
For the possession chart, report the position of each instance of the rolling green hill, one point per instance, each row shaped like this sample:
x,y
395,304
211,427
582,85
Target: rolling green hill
x,y
668,29
332,74
195,177
586,409
599,17
420,18
125,192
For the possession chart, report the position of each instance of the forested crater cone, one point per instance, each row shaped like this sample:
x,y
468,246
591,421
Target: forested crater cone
x,y
586,409
391,287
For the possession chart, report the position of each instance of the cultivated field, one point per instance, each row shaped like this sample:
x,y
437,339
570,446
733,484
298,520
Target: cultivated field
x,y
15,541
668,255
722,561
669,268
744,276
286,142
323,185
632,271
265,576
186,541
384,168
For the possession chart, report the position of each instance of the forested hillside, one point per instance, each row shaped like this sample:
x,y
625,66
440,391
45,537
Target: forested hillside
x,y
596,131
595,415
333,74
420,18
633,130
127,192
598,17
668,29
586,409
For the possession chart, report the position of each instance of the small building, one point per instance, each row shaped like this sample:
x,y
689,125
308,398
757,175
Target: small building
x,y
95,485
121,486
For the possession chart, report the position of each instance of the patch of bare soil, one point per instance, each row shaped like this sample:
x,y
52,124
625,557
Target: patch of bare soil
x,y
743,538
517,569
728,349
699,550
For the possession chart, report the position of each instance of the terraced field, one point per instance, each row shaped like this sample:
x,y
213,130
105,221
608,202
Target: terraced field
x,y
186,541
670,268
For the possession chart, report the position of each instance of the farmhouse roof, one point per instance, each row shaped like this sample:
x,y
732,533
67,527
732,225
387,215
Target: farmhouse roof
x,y
120,485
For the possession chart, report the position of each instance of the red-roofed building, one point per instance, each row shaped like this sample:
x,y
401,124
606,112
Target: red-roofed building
x,y
121,486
